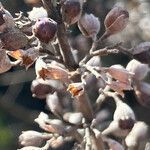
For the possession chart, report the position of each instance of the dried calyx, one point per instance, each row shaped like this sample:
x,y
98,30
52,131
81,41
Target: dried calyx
x,y
45,30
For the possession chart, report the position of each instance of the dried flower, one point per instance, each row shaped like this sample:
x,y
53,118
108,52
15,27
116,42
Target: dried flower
x,y
53,104
71,11
142,52
45,29
28,56
89,25
115,21
139,132
37,13
31,138
140,70
76,89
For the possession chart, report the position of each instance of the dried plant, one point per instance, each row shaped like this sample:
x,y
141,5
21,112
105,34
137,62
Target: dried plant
x,y
63,78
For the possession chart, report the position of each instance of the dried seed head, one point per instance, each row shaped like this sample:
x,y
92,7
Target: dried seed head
x,y
56,142
5,63
142,52
45,29
40,89
6,19
140,70
37,13
89,25
53,104
116,20
143,94
74,118
71,11
31,138
138,133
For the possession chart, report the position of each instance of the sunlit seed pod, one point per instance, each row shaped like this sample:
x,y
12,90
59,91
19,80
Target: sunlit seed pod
x,y
71,11
140,70
5,63
45,29
123,111
37,13
89,25
74,118
13,39
114,129
53,103
32,138
40,89
138,133
116,20
6,19
142,52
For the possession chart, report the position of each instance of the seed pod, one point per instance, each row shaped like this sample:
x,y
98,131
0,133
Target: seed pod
x,y
40,89
53,104
45,29
142,52
71,11
6,19
140,70
5,63
32,138
142,92
13,39
115,21
89,25
123,111
138,133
